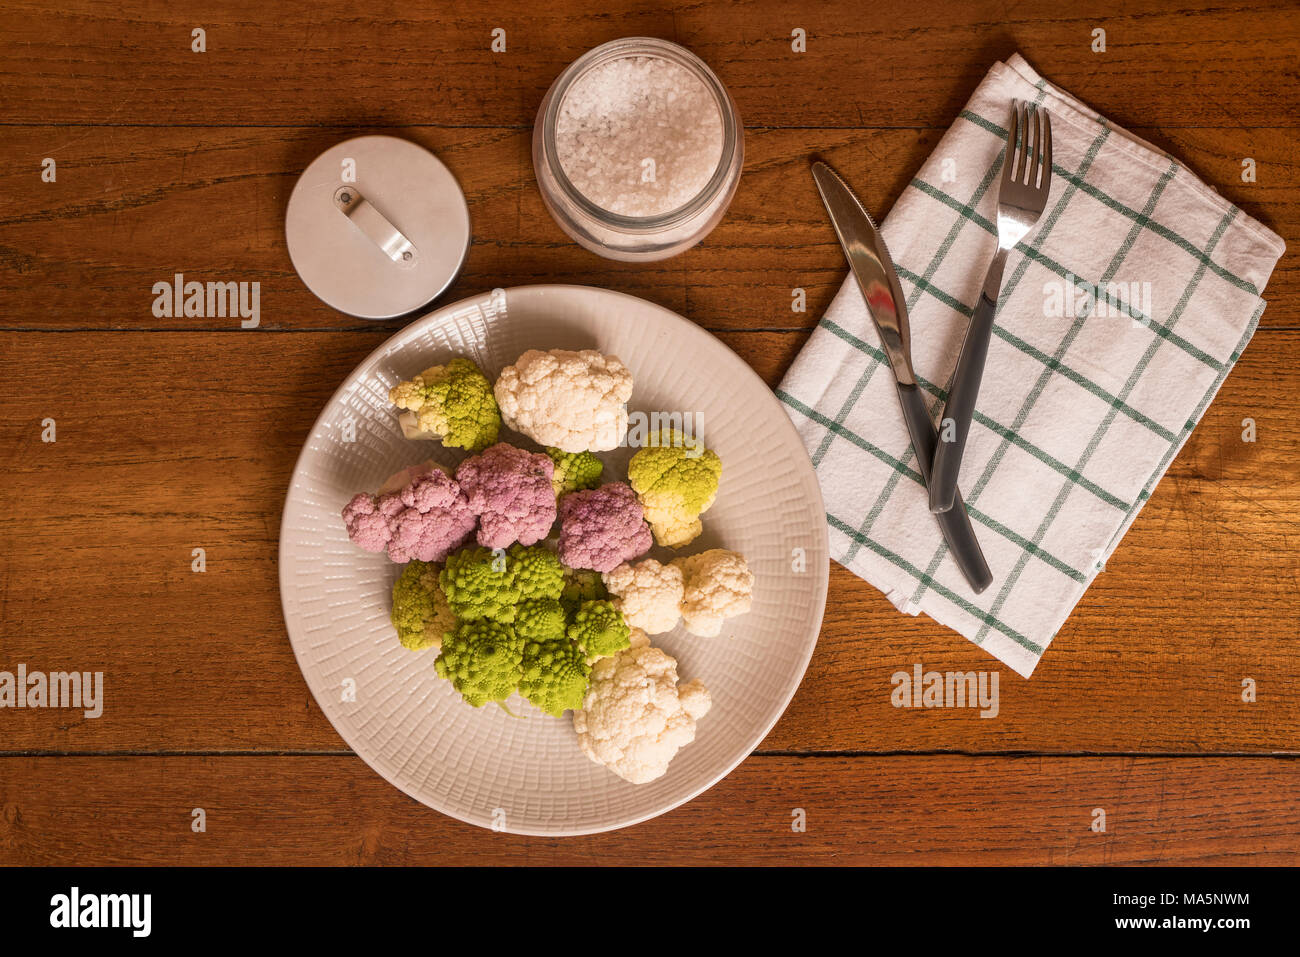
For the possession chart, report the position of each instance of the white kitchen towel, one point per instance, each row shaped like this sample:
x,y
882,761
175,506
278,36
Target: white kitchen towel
x,y
1121,313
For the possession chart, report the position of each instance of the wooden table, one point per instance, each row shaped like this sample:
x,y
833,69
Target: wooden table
x,y
176,434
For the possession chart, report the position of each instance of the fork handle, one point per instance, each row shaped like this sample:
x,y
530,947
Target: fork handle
x,y
963,392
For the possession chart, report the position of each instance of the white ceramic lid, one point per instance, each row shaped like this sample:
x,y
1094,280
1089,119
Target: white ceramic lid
x,y
377,227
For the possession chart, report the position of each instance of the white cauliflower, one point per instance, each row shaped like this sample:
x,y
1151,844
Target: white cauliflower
x,y
648,594
717,585
572,401
635,718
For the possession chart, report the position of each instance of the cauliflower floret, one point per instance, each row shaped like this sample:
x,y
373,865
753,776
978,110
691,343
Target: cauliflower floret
x,y
676,479
572,401
510,492
648,594
601,528
421,614
453,403
404,477
717,585
425,517
635,718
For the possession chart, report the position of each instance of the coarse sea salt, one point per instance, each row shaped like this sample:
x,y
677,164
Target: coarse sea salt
x,y
639,136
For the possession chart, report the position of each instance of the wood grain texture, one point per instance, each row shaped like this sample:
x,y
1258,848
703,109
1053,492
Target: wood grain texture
x,y
892,63
177,433
121,216
320,810
189,440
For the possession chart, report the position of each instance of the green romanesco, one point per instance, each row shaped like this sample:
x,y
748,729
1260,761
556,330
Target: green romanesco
x,y
540,619
481,583
598,630
538,572
453,403
554,676
483,660
421,613
514,630
574,471
676,479
581,584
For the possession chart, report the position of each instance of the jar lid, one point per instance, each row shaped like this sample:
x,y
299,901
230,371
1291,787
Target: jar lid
x,y
377,227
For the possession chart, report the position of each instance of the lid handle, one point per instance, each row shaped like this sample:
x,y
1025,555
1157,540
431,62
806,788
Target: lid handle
x,y
375,226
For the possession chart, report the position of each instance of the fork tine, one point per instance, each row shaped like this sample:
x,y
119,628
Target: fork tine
x,y
1026,130
1031,153
1047,150
1040,115
1009,158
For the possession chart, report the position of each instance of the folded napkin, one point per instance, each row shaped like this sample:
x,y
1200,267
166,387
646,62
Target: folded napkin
x,y
1121,313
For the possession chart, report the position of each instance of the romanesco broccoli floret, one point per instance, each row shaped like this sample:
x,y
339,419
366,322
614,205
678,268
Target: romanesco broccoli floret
x,y
598,630
676,479
574,471
483,659
453,403
554,675
421,613
581,584
538,572
481,583
540,619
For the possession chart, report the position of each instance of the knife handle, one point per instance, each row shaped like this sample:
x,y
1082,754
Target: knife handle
x,y
954,523
964,390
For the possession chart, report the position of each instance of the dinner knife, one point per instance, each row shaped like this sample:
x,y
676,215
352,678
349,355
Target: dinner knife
x,y
874,271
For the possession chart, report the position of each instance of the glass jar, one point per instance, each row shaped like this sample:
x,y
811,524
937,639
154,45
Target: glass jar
x,y
632,238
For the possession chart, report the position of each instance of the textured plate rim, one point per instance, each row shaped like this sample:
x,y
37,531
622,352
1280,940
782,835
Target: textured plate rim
x,y
432,319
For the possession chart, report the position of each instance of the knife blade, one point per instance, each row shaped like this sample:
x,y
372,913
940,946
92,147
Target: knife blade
x,y
877,279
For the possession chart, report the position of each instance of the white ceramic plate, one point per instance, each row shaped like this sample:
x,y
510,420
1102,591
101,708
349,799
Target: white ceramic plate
x,y
527,775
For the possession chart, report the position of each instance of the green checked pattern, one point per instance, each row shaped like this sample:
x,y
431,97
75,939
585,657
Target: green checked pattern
x,y
1079,416
1142,219
1040,384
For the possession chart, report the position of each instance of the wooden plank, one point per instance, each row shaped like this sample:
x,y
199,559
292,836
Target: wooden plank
x,y
168,442
86,250
325,810
896,63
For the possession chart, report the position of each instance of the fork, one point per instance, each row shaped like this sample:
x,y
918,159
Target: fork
x,y
1022,197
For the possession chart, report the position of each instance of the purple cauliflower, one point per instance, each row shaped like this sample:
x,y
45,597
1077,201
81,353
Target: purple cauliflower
x,y
510,492
424,518
602,528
